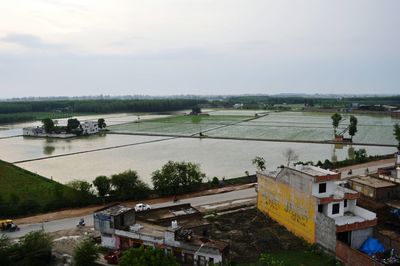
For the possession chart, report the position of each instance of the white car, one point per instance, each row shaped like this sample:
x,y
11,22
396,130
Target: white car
x,y
142,207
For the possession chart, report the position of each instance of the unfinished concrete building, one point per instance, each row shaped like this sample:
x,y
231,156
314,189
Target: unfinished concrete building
x,y
309,202
122,228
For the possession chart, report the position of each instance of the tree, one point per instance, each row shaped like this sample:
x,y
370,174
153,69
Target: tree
x,y
73,125
5,251
196,110
103,185
86,253
148,256
396,133
259,162
353,126
128,185
360,155
81,185
34,249
48,125
177,177
336,118
102,123
290,156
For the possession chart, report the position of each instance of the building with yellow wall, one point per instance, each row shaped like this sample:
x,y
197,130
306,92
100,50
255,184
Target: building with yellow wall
x,y
309,202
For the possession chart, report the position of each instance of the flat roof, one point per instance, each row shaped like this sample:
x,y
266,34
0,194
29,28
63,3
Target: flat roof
x,y
113,210
313,170
373,182
169,212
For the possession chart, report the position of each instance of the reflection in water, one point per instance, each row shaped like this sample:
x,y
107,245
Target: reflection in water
x,y
48,150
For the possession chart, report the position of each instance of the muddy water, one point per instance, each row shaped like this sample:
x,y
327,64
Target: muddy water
x,y
222,158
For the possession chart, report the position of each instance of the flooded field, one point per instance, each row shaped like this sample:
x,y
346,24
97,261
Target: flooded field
x,y
106,154
273,126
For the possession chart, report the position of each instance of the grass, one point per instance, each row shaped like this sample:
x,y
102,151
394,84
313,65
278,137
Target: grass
x,y
23,192
298,258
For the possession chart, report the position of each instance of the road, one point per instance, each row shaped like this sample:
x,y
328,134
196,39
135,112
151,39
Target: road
x,y
357,171
70,223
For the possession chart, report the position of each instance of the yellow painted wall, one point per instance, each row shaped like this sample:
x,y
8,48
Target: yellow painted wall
x,y
291,208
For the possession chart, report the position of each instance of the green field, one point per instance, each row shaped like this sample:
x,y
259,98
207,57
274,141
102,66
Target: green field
x,y
23,192
184,125
301,126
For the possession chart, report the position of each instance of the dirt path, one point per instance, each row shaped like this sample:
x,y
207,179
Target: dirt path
x,y
76,212
369,164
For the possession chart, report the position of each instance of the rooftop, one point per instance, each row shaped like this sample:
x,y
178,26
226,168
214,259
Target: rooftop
x,y
167,213
349,218
313,170
373,182
113,210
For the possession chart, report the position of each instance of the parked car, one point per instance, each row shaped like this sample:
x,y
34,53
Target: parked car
x,y
142,207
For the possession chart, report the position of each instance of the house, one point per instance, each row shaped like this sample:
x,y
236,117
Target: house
x,y
33,131
121,228
374,187
312,203
89,127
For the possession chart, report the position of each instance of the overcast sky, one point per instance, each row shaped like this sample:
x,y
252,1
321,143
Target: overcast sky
x,y
162,47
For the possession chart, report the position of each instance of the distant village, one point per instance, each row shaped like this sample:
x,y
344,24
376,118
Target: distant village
x,y
74,127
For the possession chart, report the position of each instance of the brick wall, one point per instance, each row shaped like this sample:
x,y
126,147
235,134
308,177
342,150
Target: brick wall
x,y
388,238
353,257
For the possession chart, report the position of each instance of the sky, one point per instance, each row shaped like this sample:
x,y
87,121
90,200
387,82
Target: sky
x,y
169,47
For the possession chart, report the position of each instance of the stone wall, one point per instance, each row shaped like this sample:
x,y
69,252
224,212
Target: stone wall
x,y
325,232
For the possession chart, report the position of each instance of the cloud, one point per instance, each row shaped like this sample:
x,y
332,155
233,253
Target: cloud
x,y
31,42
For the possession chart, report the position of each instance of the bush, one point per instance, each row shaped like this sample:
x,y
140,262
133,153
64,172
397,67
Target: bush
x,y
86,253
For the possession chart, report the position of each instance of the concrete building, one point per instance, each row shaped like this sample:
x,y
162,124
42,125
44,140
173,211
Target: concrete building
x,y
33,131
121,228
89,127
311,203
375,188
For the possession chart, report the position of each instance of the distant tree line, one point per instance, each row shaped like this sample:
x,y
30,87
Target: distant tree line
x,y
264,101
99,106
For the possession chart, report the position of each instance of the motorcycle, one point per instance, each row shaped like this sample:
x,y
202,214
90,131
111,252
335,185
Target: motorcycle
x,y
80,223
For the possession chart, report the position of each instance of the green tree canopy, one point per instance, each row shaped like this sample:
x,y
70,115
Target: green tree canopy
x,y
146,257
336,118
177,177
73,124
86,253
34,249
48,125
102,123
259,162
353,126
127,185
81,185
103,185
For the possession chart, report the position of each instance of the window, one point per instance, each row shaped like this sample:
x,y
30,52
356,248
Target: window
x,y
345,203
335,208
320,208
322,188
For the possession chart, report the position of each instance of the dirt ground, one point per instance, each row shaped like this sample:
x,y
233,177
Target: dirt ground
x,y
251,233
77,212
364,165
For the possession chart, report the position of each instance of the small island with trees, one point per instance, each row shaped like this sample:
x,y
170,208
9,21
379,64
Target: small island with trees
x,y
73,128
